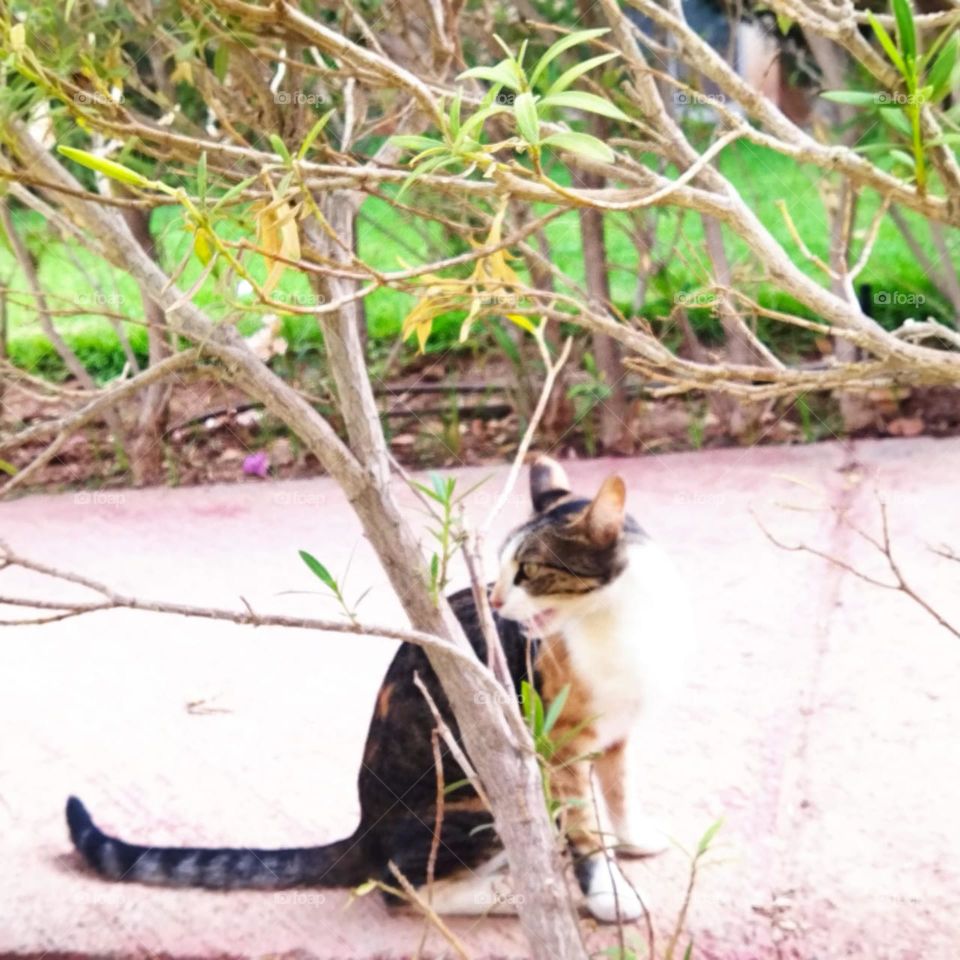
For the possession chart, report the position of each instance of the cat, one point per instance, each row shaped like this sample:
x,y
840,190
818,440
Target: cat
x,y
585,599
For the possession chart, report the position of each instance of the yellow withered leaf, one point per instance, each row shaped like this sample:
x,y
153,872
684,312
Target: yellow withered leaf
x,y
18,38
277,234
202,246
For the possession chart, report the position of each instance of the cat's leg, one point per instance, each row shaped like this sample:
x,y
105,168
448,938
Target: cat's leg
x,y
483,890
608,895
637,835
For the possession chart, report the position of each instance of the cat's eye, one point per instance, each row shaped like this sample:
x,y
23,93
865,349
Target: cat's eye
x,y
528,571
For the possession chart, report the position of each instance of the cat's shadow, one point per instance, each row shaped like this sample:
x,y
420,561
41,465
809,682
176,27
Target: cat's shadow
x,y
71,863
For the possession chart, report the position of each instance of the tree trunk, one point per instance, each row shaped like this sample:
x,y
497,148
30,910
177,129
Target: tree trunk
x,y
615,433
146,460
854,409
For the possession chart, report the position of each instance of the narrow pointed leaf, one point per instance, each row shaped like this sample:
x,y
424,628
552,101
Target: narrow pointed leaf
x,y
528,123
503,73
279,148
582,144
564,43
897,120
318,569
455,114
234,191
202,175
414,142
580,100
904,157
472,125
711,832
577,71
109,168
555,709
315,132
906,29
856,97
886,41
941,73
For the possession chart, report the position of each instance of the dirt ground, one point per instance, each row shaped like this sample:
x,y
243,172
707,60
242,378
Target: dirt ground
x,y
437,413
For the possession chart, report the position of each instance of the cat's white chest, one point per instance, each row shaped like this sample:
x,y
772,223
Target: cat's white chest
x,y
630,651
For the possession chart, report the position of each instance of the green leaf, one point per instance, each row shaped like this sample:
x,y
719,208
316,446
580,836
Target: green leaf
x,y
941,73
234,191
688,953
8,468
527,694
869,148
441,149
784,23
116,171
424,489
556,707
414,143
577,71
202,246
904,158
456,785
564,43
280,148
504,73
906,29
886,41
708,837
856,97
582,144
315,132
934,47
319,570
202,175
897,120
221,61
455,114
528,123
589,102
428,166
475,121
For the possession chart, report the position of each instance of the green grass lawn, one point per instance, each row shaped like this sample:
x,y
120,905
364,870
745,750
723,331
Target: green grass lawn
x,y
387,238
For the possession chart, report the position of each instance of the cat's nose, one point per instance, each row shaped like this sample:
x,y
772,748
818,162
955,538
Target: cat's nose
x,y
496,601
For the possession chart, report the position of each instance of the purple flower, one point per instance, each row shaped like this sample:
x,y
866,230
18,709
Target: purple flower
x,y
257,464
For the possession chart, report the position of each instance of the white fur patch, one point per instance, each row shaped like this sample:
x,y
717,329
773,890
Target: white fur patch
x,y
630,640
611,896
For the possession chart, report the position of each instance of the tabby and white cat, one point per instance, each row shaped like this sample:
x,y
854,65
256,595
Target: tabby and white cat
x,y
585,597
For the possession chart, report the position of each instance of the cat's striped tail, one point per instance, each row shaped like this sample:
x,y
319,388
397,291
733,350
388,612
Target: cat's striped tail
x,y
337,864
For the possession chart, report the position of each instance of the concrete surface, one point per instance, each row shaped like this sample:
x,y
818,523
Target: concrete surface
x,y
820,722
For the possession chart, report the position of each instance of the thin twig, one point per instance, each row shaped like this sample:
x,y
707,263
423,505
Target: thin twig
x,y
428,911
451,741
884,546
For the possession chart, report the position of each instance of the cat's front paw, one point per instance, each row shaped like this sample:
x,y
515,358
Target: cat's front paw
x,y
642,838
610,897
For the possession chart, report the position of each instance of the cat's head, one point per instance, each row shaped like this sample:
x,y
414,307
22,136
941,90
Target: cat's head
x,y
555,566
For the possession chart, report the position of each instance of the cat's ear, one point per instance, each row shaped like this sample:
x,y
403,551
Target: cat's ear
x,y
548,483
604,517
